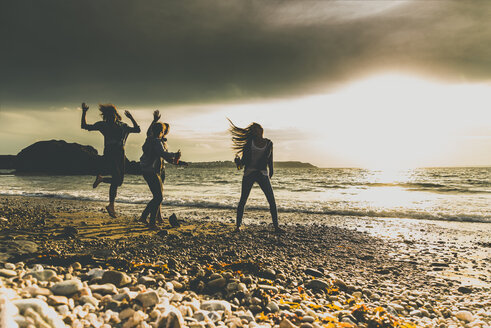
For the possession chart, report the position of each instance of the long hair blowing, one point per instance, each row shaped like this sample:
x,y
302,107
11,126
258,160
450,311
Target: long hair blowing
x,y
109,110
240,136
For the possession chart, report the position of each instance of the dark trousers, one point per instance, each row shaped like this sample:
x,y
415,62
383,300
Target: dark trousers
x,y
265,184
154,182
114,160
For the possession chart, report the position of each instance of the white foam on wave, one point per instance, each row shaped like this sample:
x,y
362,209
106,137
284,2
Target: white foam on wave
x,y
292,208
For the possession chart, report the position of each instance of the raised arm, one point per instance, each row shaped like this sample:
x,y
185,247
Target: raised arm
x,y
270,162
84,125
136,127
156,117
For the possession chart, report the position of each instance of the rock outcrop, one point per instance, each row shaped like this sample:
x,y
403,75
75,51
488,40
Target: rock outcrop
x,y
7,161
62,158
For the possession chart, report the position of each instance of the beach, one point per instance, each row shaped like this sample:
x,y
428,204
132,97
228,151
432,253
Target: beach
x,y
325,269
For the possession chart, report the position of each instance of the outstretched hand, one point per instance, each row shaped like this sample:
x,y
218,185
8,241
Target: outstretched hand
x,y
128,114
85,107
156,115
238,162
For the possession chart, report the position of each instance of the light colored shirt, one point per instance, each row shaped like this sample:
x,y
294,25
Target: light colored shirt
x,y
256,154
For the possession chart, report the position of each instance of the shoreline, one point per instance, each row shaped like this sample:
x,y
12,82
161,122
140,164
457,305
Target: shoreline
x,y
425,258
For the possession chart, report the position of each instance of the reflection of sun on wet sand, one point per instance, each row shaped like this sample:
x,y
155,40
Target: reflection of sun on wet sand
x,y
320,271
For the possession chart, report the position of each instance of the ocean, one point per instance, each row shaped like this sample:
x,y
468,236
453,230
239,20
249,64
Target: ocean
x,y
450,194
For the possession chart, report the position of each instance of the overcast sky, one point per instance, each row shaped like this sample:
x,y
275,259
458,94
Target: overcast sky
x,y
199,61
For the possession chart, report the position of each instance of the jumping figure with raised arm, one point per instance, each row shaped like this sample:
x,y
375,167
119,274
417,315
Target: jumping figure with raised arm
x,y
115,134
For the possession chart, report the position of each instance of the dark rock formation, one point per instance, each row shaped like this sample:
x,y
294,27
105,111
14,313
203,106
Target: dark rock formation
x,y
7,161
60,157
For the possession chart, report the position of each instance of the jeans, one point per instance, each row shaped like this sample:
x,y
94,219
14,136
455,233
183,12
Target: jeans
x,y
265,184
154,182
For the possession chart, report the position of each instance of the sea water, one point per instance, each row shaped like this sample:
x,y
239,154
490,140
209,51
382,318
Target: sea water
x,y
451,194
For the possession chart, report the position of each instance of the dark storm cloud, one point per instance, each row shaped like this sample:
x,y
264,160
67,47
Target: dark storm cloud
x,y
156,52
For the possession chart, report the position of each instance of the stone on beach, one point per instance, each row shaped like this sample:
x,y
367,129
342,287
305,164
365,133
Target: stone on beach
x,y
42,309
285,323
57,300
216,305
314,273
169,320
117,278
67,287
317,284
217,283
42,275
104,289
268,288
148,299
7,312
464,316
8,273
95,273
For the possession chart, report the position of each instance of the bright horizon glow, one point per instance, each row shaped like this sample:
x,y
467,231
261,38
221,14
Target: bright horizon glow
x,y
383,122
388,121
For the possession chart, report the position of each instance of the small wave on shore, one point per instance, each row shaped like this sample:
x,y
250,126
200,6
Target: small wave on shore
x,y
458,194
352,212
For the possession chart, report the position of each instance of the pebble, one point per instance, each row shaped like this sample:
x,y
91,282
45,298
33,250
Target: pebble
x,y
39,309
67,287
268,288
317,284
217,283
273,307
57,300
314,273
104,289
306,325
8,273
464,316
95,273
116,278
148,299
89,299
170,320
216,305
9,266
285,323
126,313
43,275
147,281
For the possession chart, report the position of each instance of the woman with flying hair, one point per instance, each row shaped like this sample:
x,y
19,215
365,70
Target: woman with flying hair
x,y
257,158
115,134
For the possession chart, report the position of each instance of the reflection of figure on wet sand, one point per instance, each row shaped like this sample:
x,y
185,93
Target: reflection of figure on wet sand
x,y
115,134
257,158
154,152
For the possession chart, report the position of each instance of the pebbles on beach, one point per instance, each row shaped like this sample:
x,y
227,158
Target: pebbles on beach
x,y
257,303
316,276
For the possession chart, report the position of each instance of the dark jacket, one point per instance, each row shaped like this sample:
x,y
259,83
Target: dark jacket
x,y
265,161
154,151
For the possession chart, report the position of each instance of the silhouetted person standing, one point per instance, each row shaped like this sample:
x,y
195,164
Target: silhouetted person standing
x,y
257,158
152,163
115,134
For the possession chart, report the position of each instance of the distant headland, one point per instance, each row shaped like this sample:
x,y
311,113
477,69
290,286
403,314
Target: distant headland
x,y
59,157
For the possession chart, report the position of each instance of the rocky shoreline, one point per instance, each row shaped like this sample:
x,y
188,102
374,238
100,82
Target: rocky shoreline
x,y
83,269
